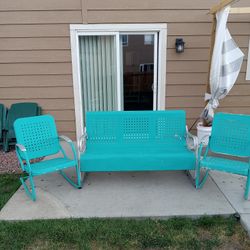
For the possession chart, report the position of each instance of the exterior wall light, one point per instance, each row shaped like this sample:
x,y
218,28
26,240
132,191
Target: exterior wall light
x,y
179,45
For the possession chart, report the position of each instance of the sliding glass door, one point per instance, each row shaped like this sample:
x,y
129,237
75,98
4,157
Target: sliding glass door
x,y
117,67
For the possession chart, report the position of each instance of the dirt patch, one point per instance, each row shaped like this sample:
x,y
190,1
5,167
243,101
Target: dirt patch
x,y
205,234
45,244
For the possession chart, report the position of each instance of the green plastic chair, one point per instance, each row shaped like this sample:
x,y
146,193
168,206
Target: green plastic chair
x,y
37,137
230,137
2,122
18,110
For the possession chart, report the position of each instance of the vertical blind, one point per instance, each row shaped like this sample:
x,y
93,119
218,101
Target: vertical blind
x,y
98,73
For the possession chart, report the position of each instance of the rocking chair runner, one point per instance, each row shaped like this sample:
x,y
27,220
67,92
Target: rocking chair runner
x,y
37,137
230,137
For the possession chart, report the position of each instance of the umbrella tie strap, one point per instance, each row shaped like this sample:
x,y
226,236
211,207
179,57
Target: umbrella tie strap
x,y
214,103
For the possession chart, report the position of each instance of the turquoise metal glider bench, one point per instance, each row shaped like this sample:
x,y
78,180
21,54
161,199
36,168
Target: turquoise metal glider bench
x,y
136,141
37,137
230,137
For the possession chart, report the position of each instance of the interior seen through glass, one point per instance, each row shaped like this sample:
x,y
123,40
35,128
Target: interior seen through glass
x,y
138,71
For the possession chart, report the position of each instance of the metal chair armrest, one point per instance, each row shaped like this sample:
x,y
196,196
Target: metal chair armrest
x,y
21,147
69,142
65,138
26,158
200,149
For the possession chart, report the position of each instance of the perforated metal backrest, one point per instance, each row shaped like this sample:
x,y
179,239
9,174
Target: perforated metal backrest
x,y
135,127
38,134
231,134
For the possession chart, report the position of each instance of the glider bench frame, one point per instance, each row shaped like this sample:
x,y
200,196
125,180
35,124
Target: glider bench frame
x,y
136,141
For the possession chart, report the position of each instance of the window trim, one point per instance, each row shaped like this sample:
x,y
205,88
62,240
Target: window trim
x,y
77,30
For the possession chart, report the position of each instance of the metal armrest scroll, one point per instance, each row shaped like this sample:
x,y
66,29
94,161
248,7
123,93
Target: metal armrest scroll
x,y
192,141
69,141
82,142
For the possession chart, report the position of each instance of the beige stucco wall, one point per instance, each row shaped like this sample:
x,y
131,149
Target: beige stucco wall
x,y
35,59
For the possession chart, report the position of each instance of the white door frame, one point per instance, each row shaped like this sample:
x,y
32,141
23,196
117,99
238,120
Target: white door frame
x,y
77,30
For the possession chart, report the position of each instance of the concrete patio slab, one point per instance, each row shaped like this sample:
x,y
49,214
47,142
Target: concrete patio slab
x,y
245,221
129,194
233,187
47,207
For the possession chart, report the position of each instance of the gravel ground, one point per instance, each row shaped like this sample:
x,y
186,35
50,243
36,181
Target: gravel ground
x,y
9,162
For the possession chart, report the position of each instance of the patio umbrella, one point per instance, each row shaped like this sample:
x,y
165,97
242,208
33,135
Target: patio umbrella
x,y
226,62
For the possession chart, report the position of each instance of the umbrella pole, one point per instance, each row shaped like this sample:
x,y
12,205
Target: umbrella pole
x,y
211,52
214,22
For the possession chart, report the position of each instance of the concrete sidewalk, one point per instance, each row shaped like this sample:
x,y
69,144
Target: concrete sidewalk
x,y
131,194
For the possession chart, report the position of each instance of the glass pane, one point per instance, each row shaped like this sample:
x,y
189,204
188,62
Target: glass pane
x,y
138,71
98,73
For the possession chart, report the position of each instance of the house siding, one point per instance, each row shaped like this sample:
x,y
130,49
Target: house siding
x,y
35,57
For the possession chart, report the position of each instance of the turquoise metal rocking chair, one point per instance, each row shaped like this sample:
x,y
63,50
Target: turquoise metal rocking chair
x,y
230,137
37,137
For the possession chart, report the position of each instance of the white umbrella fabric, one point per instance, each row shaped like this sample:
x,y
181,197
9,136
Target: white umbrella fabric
x,y
226,62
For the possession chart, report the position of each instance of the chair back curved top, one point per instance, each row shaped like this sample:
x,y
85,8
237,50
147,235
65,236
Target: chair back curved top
x,y
38,134
231,134
20,110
